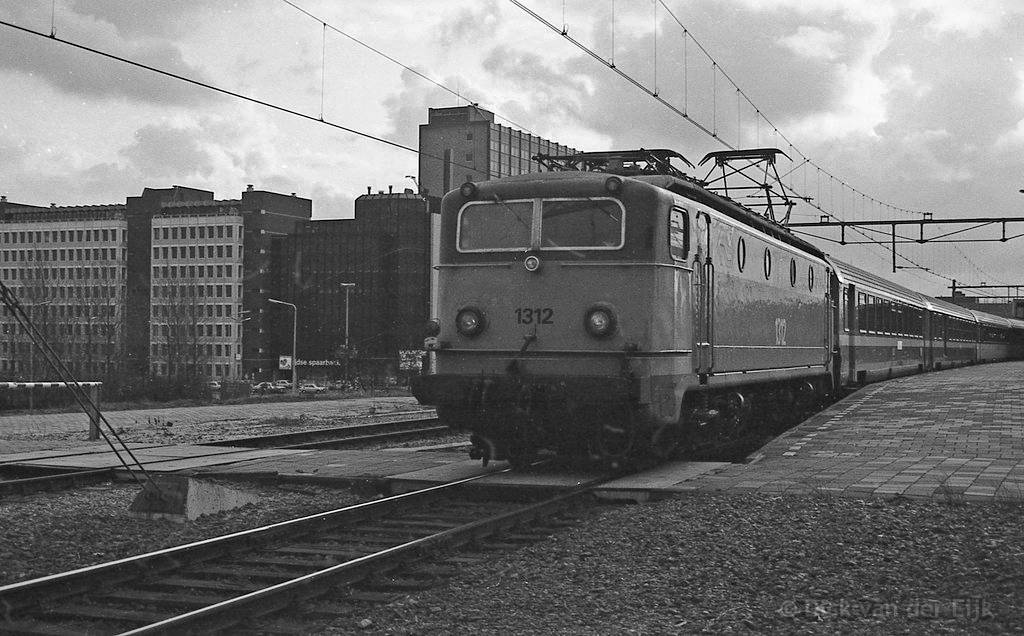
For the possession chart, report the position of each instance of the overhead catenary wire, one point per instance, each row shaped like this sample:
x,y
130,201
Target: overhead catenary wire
x,y
231,93
713,131
456,92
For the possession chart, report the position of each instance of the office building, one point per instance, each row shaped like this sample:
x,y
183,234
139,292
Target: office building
x,y
375,268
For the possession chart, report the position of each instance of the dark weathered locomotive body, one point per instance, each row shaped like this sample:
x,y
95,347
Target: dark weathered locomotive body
x,y
616,315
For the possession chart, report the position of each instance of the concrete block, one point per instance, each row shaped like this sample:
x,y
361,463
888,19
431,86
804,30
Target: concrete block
x,y
182,498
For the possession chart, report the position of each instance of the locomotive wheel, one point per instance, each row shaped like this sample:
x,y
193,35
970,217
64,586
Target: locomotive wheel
x,y
666,440
615,438
455,417
521,459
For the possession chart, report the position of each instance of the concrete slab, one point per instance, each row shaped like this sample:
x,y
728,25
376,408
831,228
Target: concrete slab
x,y
162,458
96,447
335,466
658,481
439,474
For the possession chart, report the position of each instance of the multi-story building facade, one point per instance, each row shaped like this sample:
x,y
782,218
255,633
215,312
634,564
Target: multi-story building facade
x,y
159,285
374,268
197,292
67,267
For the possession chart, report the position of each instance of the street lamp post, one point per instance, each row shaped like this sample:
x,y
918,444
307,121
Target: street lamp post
x,y
348,354
295,340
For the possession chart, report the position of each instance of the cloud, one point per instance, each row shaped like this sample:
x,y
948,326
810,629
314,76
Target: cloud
x,y
813,42
157,19
77,72
407,109
161,151
470,25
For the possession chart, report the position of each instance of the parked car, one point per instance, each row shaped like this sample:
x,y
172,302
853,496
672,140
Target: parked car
x,y
311,388
283,385
265,387
213,385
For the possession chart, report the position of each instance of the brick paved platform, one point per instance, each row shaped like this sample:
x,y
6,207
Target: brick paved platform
x,y
956,434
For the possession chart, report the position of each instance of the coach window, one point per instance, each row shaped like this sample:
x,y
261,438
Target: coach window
x,y
679,234
810,278
767,263
741,254
792,272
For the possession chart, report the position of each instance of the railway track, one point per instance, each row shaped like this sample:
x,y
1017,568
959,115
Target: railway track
x,y
21,480
238,580
343,436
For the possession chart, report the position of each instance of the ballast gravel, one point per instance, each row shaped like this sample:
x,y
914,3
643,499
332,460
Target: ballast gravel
x,y
46,533
722,563
706,562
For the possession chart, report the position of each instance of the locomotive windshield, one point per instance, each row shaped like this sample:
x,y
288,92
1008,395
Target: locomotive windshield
x,y
549,224
589,223
495,226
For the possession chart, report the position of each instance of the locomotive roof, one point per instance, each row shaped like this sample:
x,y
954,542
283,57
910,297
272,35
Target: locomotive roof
x,y
691,189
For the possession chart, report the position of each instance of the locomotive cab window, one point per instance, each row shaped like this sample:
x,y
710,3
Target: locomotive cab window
x,y
551,224
573,223
679,234
498,226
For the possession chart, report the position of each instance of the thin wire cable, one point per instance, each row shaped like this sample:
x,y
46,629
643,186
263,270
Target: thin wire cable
x,y
455,92
655,47
323,68
230,93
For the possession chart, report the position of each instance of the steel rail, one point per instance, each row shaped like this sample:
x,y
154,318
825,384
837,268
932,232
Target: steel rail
x,y
236,611
256,603
29,593
46,482
298,439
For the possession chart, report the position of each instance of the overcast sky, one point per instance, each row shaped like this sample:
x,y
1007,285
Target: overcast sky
x,y
917,103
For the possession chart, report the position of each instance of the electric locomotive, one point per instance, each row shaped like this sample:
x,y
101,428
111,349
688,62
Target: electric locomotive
x,y
617,311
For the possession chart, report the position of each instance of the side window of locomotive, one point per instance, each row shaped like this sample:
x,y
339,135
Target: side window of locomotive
x,y
593,223
679,234
495,226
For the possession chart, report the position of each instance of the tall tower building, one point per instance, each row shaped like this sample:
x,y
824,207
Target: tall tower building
x,y
464,143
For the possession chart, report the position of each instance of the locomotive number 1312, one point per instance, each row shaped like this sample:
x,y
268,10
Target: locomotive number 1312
x,y
535,315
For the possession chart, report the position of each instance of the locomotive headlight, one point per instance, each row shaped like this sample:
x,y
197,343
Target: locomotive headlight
x,y
470,321
600,321
613,185
467,190
432,328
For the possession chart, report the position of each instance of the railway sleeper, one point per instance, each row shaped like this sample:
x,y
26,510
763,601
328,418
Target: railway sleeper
x,y
175,582
188,598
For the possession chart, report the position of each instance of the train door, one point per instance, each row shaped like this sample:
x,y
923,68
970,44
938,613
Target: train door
x,y
852,328
833,329
703,298
927,327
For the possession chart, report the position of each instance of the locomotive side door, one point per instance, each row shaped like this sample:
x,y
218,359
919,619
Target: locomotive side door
x,y
703,298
